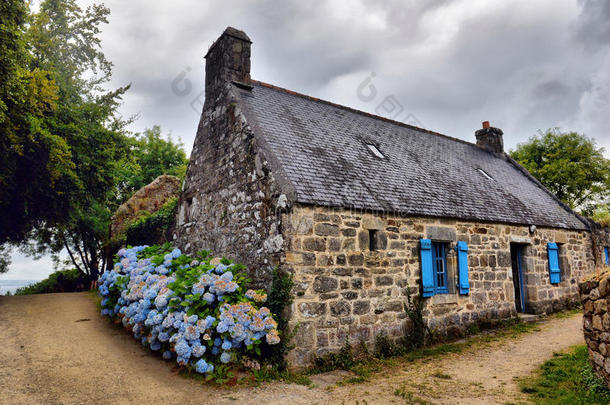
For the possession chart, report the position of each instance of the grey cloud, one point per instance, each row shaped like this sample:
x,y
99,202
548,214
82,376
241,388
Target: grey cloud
x,y
514,63
592,27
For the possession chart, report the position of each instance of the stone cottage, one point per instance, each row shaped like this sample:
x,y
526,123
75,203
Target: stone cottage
x,y
359,208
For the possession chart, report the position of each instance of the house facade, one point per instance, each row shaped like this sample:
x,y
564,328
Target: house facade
x,y
361,209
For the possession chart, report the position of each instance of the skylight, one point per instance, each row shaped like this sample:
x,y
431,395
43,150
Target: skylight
x,y
485,174
375,151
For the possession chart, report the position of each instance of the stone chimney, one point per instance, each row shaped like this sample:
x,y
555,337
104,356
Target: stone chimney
x,y
227,60
490,138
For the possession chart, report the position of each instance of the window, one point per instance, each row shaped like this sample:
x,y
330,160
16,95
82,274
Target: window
x,y
439,262
484,173
375,151
372,240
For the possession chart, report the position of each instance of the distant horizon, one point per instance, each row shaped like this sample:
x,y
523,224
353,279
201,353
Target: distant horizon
x,y
13,285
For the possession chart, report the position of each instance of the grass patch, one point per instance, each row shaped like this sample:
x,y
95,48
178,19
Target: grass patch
x,y
567,378
409,397
567,313
441,375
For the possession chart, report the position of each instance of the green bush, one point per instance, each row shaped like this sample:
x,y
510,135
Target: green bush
x,y
280,297
152,228
59,281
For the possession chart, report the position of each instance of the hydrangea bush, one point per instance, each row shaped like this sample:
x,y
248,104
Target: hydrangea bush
x,y
194,310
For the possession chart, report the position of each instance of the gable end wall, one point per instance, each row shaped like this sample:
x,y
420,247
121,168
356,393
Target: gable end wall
x,y
229,203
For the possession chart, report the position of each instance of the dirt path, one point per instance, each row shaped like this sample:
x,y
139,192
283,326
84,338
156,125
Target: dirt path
x,y
55,349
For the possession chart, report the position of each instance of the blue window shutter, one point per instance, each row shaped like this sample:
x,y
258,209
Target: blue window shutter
x,y
554,271
427,270
462,251
607,256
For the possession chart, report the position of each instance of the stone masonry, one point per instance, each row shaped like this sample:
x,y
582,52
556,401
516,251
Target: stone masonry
x,y
595,295
345,290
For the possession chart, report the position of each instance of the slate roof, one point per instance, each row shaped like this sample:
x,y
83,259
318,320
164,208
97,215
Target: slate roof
x,y
322,150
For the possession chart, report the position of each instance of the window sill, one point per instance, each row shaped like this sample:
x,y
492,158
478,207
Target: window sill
x,y
440,299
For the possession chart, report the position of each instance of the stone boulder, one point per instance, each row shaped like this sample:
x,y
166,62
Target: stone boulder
x,y
149,198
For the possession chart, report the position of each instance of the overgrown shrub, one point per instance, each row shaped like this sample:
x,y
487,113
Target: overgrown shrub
x,y
152,228
385,348
417,332
343,359
194,310
59,281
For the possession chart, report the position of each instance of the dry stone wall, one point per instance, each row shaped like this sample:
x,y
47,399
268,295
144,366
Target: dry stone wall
x,y
344,290
595,295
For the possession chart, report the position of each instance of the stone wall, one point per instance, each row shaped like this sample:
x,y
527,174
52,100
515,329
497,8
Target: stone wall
x,y
595,295
345,290
230,200
601,240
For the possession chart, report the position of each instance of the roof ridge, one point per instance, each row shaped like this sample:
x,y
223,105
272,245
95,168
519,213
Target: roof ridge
x,y
367,114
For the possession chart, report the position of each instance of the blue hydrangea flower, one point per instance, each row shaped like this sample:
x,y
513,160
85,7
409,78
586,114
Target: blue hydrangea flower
x,y
183,349
225,357
198,349
202,367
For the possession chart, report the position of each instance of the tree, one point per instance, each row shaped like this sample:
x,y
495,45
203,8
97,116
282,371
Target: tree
x,y
150,157
568,164
36,169
63,41
66,159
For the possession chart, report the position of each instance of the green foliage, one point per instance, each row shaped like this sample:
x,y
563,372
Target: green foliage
x,y
152,228
59,281
150,157
568,378
601,215
570,165
385,348
61,176
66,162
280,297
270,373
409,397
341,360
35,166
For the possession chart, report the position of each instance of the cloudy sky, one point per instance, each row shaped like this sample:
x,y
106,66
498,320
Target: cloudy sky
x,y
444,65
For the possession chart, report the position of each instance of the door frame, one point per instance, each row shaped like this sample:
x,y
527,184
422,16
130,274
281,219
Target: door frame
x,y
518,249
